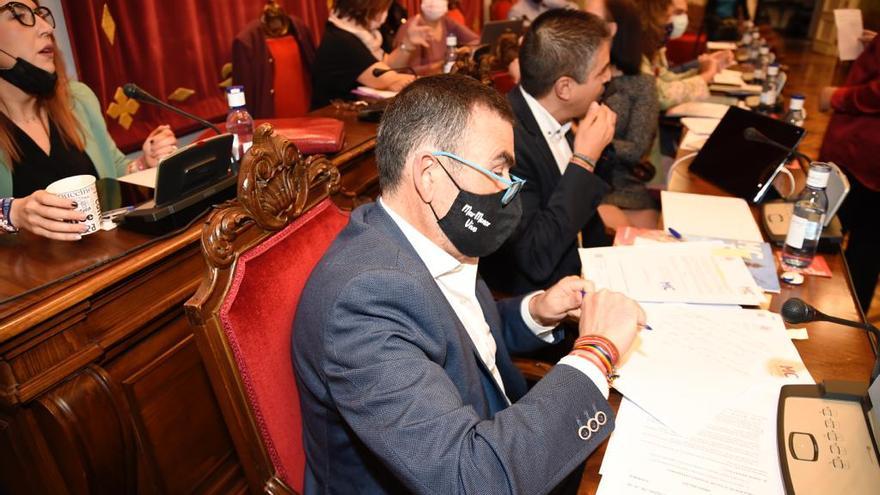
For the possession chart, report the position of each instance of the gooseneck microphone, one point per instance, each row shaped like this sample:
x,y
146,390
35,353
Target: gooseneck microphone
x,y
795,310
756,136
377,72
134,92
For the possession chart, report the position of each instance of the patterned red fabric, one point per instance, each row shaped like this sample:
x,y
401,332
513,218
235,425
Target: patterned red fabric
x,y
257,317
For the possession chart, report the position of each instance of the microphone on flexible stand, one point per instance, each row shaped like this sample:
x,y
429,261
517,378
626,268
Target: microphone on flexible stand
x,y
795,310
756,136
377,72
134,92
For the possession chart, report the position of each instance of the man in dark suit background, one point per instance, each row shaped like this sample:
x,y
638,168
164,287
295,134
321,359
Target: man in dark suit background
x,y
564,64
401,355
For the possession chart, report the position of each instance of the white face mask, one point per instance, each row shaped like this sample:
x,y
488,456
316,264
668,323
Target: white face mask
x,y
433,10
377,22
679,25
555,4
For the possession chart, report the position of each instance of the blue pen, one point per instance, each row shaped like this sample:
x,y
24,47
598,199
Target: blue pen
x,y
646,327
674,233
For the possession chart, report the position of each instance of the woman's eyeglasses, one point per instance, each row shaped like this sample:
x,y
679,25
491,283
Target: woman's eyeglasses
x,y
28,16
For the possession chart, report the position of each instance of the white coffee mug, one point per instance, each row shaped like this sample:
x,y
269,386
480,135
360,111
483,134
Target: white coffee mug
x,y
80,189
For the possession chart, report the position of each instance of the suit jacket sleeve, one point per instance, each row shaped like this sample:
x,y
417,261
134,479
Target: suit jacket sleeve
x,y
546,231
382,371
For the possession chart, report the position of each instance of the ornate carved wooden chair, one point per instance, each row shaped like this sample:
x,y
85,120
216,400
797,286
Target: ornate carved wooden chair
x,y
260,251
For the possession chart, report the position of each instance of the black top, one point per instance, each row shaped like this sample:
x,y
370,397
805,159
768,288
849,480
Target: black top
x,y
341,58
36,170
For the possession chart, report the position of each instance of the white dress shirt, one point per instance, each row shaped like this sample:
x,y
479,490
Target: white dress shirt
x,y
458,283
552,130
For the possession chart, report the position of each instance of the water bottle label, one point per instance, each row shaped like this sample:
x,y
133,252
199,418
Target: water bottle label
x,y
768,97
797,231
235,147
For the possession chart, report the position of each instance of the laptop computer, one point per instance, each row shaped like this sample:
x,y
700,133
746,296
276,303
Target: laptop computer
x,y
741,167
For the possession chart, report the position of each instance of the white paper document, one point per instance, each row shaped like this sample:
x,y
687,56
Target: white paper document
x,y
720,45
698,109
700,125
684,272
729,77
699,360
145,178
734,452
378,94
849,29
709,216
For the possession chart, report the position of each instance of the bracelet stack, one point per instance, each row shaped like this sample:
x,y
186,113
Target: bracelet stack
x,y
600,351
584,161
5,222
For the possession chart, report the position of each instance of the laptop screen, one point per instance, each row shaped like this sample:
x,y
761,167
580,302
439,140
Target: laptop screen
x,y
741,167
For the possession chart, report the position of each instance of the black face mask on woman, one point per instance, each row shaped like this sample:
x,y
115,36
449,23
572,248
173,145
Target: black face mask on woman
x,y
478,224
30,78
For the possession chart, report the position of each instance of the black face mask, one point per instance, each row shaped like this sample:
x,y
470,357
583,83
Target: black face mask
x,y
478,224
30,78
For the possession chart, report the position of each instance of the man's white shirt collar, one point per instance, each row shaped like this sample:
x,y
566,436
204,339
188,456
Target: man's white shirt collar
x,y
550,127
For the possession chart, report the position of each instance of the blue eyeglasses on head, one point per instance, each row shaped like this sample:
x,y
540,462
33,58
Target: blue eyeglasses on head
x,y
514,184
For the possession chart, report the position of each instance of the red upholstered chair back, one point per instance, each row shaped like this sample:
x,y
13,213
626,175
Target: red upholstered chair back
x,y
260,252
257,318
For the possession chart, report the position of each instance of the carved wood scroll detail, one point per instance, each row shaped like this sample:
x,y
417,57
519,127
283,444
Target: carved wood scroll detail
x,y
274,182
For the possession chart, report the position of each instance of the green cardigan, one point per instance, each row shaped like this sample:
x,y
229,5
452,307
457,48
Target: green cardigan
x,y
108,160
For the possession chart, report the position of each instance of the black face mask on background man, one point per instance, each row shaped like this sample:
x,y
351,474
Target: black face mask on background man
x,y
478,224
30,78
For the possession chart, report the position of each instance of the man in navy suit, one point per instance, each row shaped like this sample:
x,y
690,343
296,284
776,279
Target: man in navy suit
x,y
564,63
401,355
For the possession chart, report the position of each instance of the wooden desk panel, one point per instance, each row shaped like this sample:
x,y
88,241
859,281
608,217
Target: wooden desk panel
x,y
102,387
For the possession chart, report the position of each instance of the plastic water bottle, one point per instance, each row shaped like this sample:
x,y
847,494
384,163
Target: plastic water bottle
x,y
239,122
796,114
451,55
761,65
807,219
769,91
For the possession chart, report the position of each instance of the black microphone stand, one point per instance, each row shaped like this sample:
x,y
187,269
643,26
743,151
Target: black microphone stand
x,y
136,93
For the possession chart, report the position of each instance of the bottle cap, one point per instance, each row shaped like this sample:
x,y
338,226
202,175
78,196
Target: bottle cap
x,y
773,70
818,175
451,40
796,102
793,278
235,96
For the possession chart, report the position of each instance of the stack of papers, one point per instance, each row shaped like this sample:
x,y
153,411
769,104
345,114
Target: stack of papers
x,y
698,109
699,414
685,272
377,94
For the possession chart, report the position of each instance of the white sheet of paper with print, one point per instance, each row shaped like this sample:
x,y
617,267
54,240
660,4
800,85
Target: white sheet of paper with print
x,y
734,454
686,272
145,178
849,29
698,360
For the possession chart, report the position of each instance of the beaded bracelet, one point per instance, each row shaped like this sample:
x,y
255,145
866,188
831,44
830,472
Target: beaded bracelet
x,y
593,355
5,221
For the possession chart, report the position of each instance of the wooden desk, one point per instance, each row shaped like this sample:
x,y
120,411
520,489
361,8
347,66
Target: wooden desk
x,y
102,388
832,352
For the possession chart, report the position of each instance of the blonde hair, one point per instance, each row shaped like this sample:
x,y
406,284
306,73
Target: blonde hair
x,y
59,110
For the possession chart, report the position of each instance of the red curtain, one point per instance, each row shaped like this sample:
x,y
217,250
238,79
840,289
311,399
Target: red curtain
x,y
163,45
168,46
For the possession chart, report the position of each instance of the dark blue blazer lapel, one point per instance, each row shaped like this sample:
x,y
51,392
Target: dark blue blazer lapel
x,y
496,400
